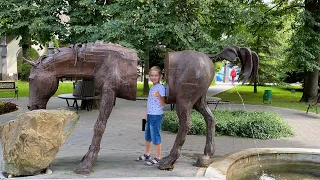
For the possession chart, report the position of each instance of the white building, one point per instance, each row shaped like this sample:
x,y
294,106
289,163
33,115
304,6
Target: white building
x,y
9,52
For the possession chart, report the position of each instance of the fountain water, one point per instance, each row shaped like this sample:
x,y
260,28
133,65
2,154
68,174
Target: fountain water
x,y
244,107
277,163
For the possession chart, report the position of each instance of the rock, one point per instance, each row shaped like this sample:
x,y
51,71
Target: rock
x,y
48,171
31,142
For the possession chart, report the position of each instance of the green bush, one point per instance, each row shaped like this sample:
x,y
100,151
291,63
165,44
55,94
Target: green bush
x,y
24,70
237,123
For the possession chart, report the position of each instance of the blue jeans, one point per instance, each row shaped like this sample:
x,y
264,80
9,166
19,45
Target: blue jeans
x,y
153,125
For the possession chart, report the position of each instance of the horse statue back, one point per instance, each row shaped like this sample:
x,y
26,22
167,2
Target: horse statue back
x,y
104,63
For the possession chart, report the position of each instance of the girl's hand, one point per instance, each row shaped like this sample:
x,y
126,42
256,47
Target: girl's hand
x,y
156,93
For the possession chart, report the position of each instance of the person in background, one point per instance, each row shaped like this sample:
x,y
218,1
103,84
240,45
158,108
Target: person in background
x,y
233,74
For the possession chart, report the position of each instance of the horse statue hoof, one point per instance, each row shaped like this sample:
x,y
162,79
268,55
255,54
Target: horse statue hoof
x,y
204,161
83,169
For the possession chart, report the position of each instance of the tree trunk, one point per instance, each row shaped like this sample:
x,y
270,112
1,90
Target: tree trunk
x,y
25,41
146,76
25,48
310,90
255,89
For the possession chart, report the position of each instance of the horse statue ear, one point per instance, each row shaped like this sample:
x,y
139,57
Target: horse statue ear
x,y
30,62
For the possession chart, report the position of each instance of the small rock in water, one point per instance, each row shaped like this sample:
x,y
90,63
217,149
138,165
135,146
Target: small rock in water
x,y
266,177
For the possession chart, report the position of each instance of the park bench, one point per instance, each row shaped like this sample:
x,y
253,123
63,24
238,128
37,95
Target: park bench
x,y
84,91
314,104
9,86
209,100
217,101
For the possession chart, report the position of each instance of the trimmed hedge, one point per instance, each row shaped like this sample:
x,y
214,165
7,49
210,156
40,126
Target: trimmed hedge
x,y
237,123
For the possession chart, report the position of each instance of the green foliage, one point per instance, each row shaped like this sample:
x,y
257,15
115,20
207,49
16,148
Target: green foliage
x,y
270,70
24,70
237,123
256,124
142,25
147,26
1,104
264,30
217,66
35,21
154,27
304,51
87,19
304,44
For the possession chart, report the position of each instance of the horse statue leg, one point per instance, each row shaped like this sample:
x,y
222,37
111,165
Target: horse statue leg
x,y
106,105
202,107
183,111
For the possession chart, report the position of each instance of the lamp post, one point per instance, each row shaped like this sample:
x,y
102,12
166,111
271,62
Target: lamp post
x,y
3,57
51,48
225,72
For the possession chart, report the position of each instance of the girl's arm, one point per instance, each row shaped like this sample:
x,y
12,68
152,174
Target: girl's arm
x,y
162,100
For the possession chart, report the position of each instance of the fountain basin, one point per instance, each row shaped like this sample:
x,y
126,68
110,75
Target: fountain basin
x,y
267,163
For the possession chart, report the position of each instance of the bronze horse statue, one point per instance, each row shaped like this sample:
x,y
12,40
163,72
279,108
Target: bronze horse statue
x,y
114,71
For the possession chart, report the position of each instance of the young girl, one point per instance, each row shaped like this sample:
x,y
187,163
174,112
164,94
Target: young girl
x,y
155,105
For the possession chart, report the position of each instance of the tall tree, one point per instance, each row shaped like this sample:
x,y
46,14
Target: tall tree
x,y
35,21
258,25
146,25
267,29
305,49
86,20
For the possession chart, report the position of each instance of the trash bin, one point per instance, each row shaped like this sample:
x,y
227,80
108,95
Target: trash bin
x,y
267,96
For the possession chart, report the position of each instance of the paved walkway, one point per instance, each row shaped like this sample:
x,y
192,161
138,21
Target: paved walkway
x,y
123,141
219,87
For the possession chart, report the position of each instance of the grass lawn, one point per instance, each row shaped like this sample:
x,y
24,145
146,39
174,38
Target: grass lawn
x,y
64,88
281,96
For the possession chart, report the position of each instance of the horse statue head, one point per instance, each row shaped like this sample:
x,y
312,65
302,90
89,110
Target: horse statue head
x,y
43,83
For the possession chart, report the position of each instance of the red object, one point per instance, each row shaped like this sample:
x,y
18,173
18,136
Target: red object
x,y
233,74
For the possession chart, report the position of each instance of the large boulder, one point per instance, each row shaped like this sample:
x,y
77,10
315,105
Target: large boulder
x,y
31,142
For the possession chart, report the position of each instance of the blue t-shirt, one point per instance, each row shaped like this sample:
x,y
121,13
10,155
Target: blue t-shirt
x,y
154,107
